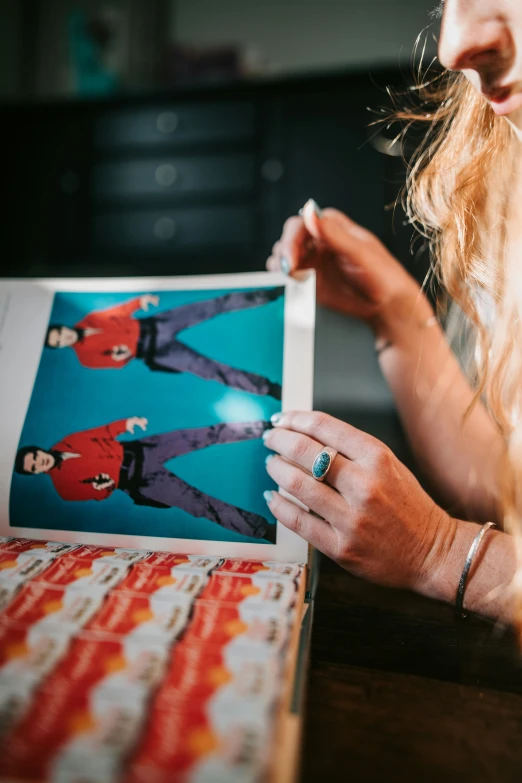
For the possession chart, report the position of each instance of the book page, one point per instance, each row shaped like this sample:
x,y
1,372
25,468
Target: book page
x,y
133,409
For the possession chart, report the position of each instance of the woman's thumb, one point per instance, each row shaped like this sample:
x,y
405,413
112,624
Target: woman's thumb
x,y
334,228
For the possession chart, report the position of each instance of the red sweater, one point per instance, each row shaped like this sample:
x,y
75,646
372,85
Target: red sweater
x,y
99,453
117,327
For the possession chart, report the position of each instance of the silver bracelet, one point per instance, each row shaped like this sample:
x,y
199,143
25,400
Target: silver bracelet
x,y
459,601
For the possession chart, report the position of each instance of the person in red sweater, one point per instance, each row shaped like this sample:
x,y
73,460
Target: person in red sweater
x,y
110,339
92,464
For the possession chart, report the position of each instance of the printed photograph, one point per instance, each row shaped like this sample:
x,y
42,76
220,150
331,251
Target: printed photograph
x,y
147,415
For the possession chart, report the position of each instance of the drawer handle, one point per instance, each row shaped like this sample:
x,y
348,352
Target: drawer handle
x,y
165,175
272,170
167,122
164,228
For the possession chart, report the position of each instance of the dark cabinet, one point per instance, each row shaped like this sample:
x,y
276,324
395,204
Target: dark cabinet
x,y
160,231
199,181
175,123
169,178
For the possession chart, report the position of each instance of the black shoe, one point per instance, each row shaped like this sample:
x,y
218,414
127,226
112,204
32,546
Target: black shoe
x,y
275,293
275,390
270,534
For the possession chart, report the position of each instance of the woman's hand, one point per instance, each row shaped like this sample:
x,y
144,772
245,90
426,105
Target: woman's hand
x,y
356,274
370,515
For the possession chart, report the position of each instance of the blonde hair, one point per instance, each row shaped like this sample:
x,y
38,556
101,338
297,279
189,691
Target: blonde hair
x,y
458,196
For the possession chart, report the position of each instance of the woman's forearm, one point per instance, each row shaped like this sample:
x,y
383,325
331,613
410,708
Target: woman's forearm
x,y
461,456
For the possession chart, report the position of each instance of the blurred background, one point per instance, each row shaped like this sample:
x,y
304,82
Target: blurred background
x,y
176,136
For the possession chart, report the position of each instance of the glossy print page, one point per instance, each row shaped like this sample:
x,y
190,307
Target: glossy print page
x,y
133,410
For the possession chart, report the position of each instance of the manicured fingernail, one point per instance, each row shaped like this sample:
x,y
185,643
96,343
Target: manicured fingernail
x,y
270,456
265,434
317,209
285,266
268,495
276,418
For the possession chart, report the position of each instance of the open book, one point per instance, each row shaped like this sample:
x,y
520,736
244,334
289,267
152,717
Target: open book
x,y
171,606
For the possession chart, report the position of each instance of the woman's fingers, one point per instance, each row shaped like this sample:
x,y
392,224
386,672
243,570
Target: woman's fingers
x,y
295,250
302,450
316,495
273,264
336,229
347,440
318,231
290,244
315,530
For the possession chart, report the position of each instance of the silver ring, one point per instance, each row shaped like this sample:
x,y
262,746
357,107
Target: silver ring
x,y
323,463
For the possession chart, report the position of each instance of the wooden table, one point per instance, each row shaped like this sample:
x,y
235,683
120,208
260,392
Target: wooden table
x,y
398,691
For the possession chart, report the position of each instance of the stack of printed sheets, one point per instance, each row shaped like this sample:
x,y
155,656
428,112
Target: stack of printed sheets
x,y
126,665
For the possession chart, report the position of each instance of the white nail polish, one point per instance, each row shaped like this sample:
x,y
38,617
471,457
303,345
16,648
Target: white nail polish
x,y
317,209
285,266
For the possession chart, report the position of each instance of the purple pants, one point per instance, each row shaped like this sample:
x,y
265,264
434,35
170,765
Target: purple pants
x,y
162,487
172,355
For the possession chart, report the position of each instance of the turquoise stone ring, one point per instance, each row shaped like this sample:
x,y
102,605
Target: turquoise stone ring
x,y
323,463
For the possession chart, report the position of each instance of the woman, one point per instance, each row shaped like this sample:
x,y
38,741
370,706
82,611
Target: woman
x,y
465,193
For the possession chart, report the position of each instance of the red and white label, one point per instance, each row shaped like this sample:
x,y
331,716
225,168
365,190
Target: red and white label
x,y
113,667
141,618
211,675
238,627
167,583
21,567
51,607
41,548
270,569
182,746
250,590
193,562
70,734
8,589
83,575
91,552
29,653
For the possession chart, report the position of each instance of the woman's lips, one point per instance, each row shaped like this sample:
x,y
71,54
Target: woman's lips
x,y
504,101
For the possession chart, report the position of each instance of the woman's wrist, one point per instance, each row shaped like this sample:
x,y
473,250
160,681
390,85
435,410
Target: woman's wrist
x,y
403,315
441,575
493,567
